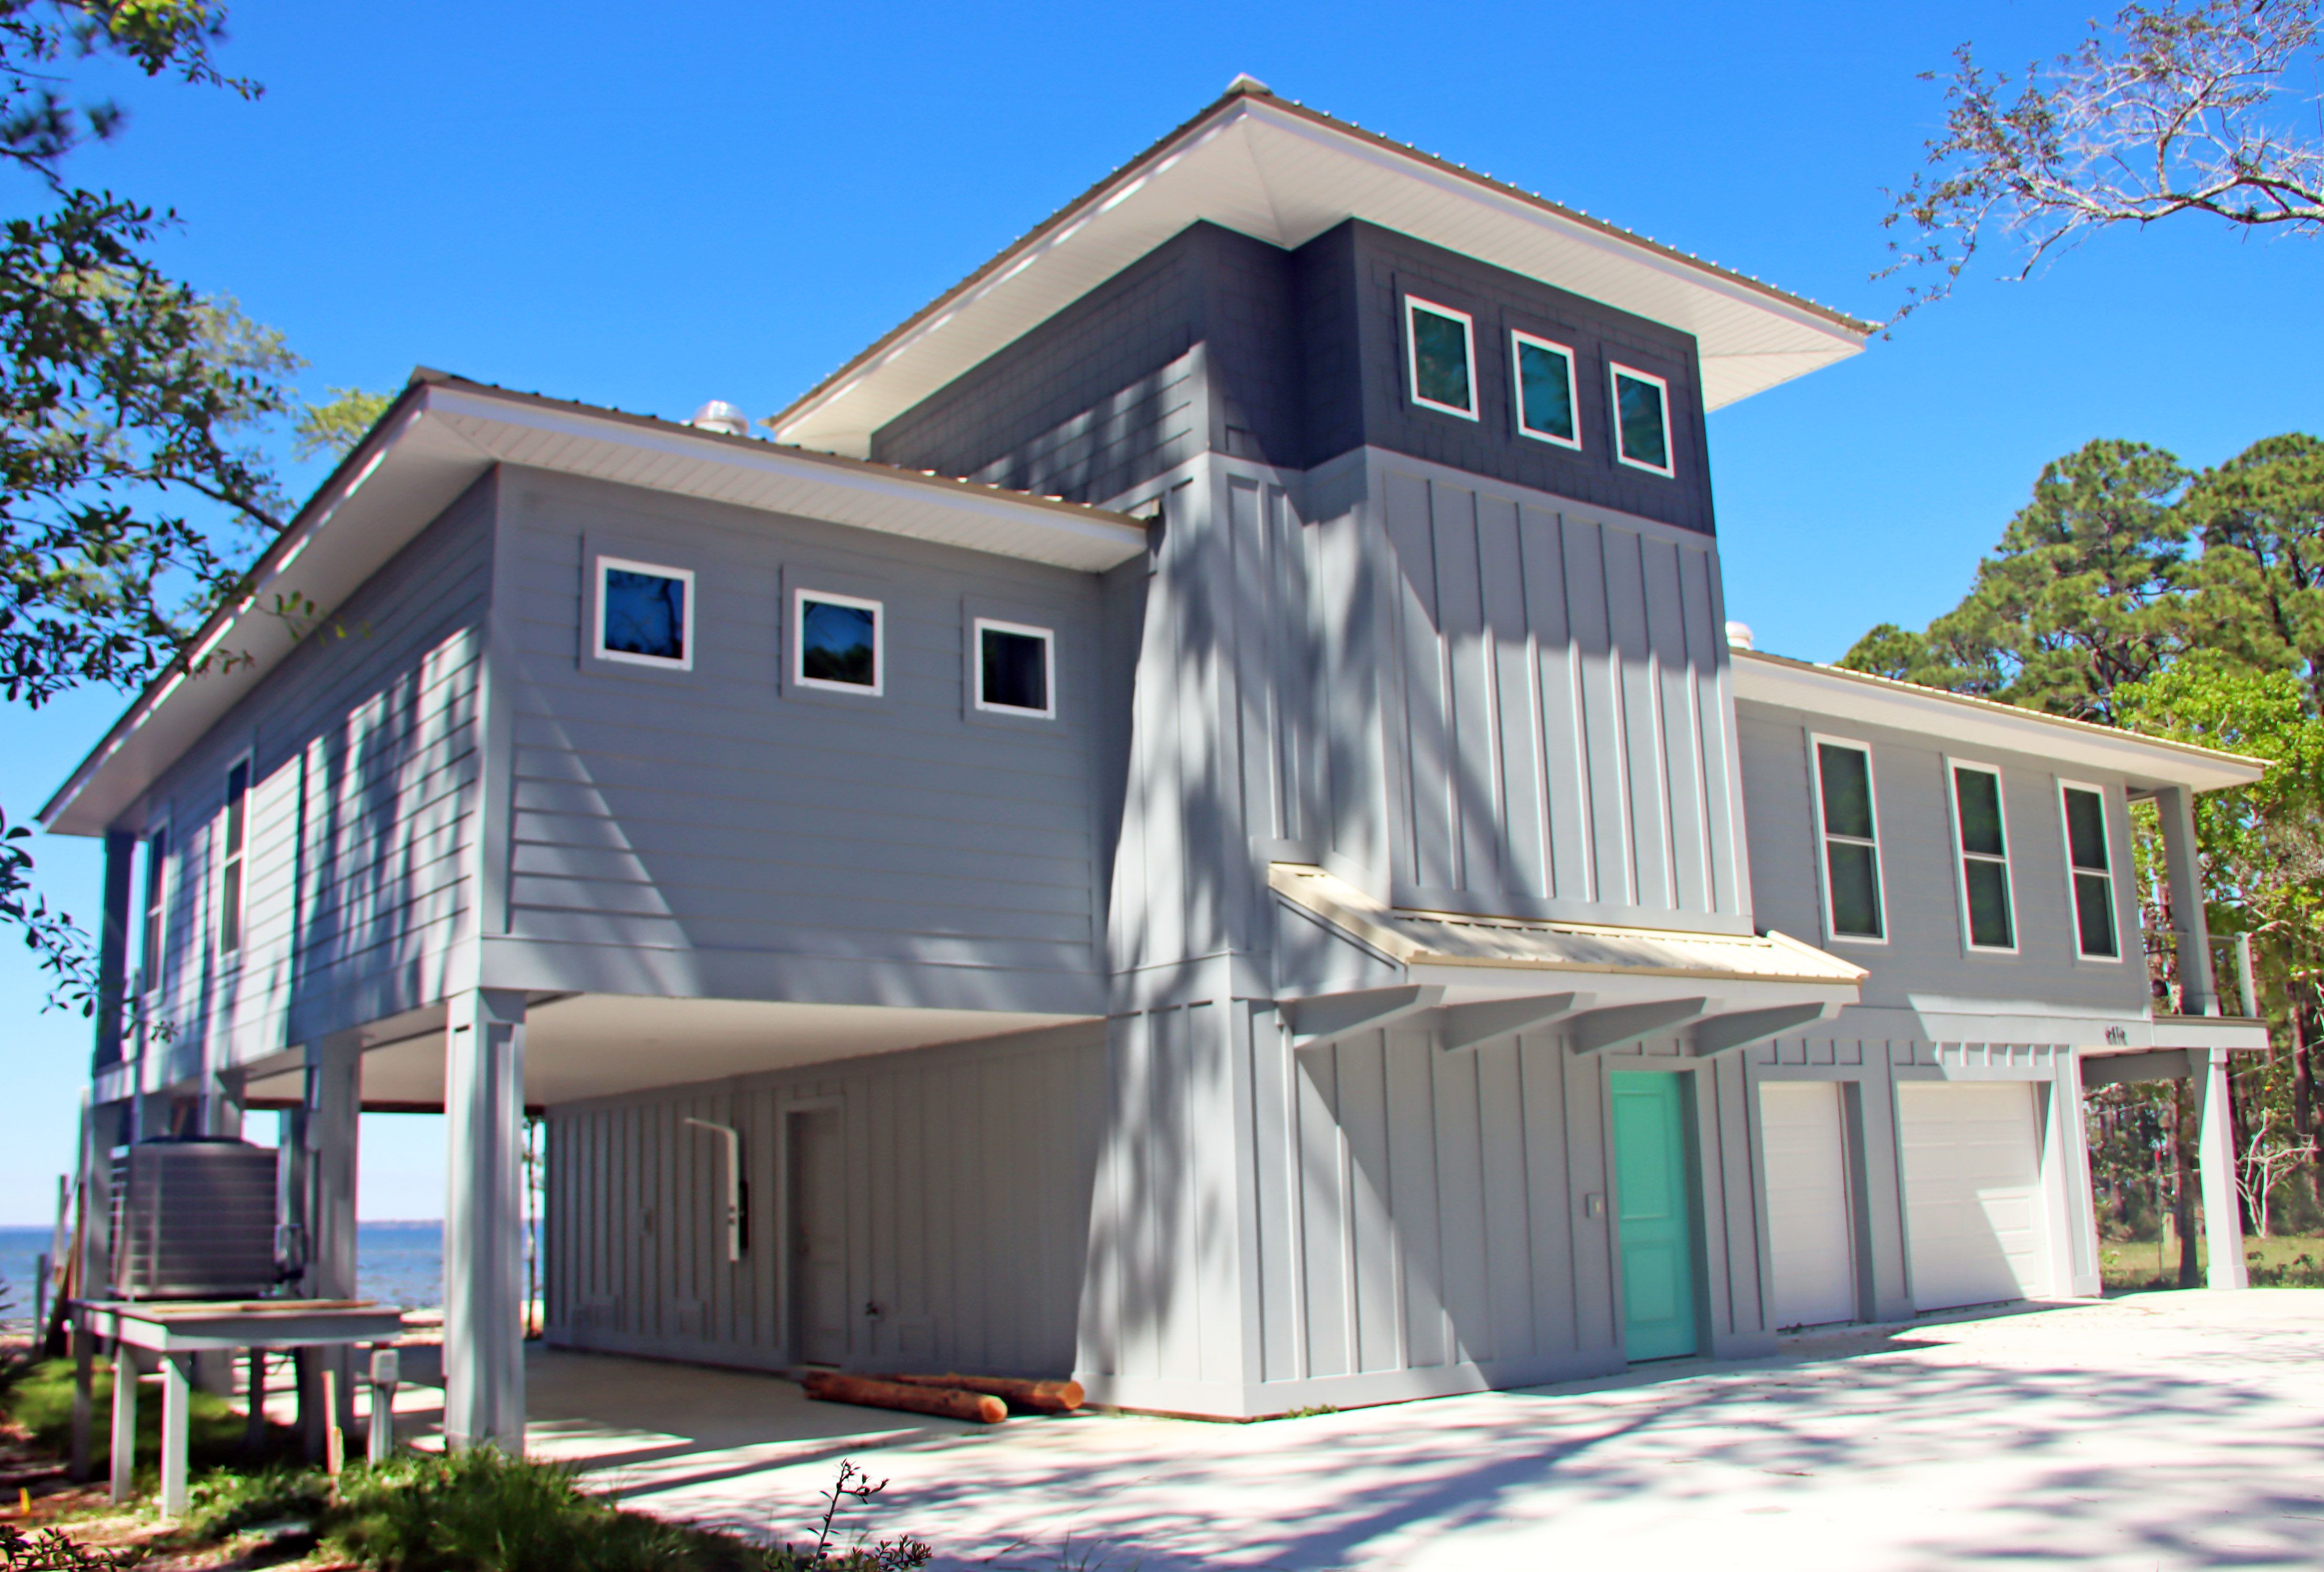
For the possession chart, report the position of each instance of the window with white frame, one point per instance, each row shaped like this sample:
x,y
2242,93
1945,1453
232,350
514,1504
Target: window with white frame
x,y
836,642
1848,822
1441,346
1548,407
157,908
1642,420
2091,868
645,614
1016,669
1988,915
233,839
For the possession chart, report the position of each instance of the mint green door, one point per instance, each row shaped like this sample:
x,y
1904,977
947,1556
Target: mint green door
x,y
1657,1215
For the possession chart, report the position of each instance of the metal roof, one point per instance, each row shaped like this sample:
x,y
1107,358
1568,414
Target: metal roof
x,y
1286,173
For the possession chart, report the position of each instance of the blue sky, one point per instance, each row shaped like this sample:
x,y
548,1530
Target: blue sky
x,y
649,206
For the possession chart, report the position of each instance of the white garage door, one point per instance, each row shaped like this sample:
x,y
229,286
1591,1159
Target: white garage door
x,y
1973,1213
1809,1235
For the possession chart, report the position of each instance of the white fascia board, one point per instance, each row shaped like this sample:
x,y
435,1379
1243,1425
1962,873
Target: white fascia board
x,y
1284,175
1863,699
442,441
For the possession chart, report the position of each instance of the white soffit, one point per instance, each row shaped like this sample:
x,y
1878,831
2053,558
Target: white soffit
x,y
440,438
1859,697
1283,174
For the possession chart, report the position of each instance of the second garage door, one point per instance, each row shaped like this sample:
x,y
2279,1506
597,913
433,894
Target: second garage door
x,y
1972,1192
1810,1235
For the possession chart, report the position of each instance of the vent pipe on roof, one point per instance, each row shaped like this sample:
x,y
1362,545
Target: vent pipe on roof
x,y
718,415
1739,636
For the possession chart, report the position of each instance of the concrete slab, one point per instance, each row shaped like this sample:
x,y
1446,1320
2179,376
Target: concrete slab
x,y
2163,1430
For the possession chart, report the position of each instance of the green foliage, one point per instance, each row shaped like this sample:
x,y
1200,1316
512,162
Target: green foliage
x,y
40,1401
338,424
53,1550
2259,586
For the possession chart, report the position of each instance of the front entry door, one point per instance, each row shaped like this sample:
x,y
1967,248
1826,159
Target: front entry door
x,y
818,1241
1657,1215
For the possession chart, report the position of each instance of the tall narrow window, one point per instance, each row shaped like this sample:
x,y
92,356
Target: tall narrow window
x,y
1986,909
1014,673
1441,343
1642,420
1545,396
157,888
1848,821
235,835
2093,871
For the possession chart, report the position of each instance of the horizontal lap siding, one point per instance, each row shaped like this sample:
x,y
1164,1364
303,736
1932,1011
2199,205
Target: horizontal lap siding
x,y
967,1182
1559,724
361,814
719,809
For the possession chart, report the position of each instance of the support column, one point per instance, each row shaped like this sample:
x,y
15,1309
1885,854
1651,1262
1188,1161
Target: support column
x,y
177,1402
484,1221
2215,1153
124,1423
2182,869
332,1123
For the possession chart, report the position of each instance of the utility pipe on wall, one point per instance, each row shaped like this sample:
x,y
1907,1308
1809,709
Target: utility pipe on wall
x,y
734,1184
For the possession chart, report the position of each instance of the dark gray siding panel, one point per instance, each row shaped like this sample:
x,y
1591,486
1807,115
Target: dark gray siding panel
x,y
1558,719
361,814
663,820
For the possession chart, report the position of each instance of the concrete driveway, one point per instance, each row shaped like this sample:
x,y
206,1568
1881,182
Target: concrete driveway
x,y
2164,1430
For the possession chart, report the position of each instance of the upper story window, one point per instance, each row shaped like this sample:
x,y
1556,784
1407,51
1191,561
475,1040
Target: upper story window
x,y
645,614
1442,346
1016,669
234,833
2091,870
157,905
1848,822
1547,398
1642,420
835,642
1986,910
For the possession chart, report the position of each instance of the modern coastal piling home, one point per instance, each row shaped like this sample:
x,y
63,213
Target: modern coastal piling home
x,y
1195,817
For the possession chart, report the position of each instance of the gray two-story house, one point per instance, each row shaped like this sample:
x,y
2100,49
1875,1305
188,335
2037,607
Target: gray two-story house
x,y
1191,819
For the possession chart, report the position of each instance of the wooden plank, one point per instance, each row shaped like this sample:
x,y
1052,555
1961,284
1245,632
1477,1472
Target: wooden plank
x,y
1421,752
1518,751
1508,1201
1674,643
1598,719
1465,1259
1640,730
1472,744
1327,1271
1414,1259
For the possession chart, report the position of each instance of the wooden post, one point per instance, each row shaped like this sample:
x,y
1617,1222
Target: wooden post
x,y
84,1416
484,1221
335,1439
124,1423
176,1394
254,1428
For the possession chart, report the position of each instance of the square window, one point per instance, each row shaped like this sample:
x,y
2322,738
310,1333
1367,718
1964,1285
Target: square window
x,y
1015,669
1444,350
1642,420
1546,401
836,642
645,614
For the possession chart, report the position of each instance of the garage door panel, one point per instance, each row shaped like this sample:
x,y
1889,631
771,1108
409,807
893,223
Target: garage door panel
x,y
1810,1238
1974,1215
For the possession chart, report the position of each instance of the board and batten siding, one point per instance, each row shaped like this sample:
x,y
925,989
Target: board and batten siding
x,y
721,832
968,1170
1557,709
361,815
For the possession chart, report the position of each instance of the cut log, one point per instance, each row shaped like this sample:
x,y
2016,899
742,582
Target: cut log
x,y
1041,1397
949,1402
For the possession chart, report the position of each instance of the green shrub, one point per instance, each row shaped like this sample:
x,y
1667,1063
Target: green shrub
x,y
41,1401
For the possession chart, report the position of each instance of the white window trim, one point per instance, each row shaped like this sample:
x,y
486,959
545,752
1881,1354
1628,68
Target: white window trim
x,y
879,687
1048,667
153,910
2114,880
686,630
1517,340
1412,356
1816,740
1962,856
233,863
1615,372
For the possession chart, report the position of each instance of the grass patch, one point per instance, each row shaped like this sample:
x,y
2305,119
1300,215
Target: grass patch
x,y
40,1400
479,1510
2285,1260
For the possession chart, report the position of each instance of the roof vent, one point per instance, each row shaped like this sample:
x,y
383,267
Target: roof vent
x,y
1739,636
718,415
1245,82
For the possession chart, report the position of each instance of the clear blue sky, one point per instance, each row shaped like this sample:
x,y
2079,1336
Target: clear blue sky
x,y
652,206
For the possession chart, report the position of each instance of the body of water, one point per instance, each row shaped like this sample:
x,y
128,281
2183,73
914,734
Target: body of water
x,y
397,1264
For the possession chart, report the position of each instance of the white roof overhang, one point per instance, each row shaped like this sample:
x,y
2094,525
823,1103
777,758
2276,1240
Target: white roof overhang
x,y
439,436
2146,763
1284,173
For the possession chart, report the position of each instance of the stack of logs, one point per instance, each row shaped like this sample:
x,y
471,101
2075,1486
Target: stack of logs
x,y
983,1399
